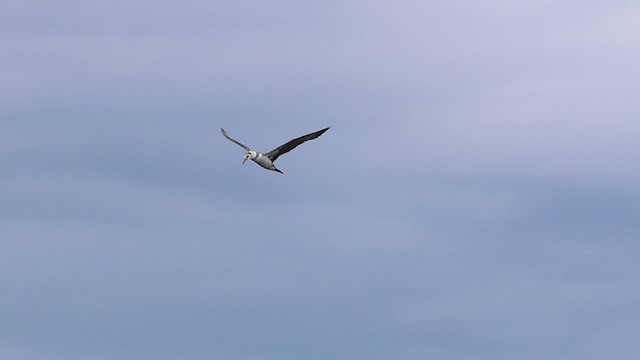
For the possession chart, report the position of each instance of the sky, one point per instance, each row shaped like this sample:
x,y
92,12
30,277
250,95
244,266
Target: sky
x,y
477,195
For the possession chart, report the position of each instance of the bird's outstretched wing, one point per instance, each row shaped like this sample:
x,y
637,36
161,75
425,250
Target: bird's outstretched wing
x,y
234,140
283,149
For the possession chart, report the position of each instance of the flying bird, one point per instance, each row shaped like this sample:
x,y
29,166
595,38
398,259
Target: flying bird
x,y
266,159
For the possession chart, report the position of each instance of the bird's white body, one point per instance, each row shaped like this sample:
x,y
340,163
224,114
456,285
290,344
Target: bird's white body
x,y
262,160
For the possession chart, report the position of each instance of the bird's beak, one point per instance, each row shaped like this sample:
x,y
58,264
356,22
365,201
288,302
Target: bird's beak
x,y
245,159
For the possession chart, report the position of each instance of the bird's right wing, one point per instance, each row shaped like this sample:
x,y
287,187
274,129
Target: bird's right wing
x,y
234,140
283,149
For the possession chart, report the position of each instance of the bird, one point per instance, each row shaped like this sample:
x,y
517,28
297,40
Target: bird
x,y
266,159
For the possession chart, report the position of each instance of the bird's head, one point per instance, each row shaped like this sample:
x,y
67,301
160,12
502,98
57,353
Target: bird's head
x,y
249,155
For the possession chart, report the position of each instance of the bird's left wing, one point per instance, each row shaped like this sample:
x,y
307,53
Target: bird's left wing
x,y
283,149
234,140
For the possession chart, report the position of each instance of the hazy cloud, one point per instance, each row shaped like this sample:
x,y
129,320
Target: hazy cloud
x,y
476,197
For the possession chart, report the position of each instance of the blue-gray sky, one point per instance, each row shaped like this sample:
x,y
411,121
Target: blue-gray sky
x,y
477,196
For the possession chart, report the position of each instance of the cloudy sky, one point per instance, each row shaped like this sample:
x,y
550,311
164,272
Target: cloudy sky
x,y
477,196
